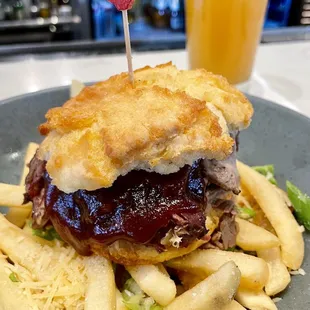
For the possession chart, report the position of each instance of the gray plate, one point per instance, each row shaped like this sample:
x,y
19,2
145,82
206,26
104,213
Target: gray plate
x,y
277,135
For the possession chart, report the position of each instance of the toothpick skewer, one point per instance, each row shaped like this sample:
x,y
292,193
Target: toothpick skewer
x,y
128,45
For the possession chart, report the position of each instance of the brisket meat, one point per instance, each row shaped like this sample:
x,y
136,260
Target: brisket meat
x,y
141,207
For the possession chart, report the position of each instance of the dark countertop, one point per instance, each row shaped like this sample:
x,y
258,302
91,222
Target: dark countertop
x,y
159,41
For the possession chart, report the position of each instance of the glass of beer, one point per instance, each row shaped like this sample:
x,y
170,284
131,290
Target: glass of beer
x,y
223,35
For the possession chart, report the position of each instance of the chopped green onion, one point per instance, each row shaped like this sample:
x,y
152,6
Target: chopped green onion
x,y
132,302
232,249
135,299
49,234
245,213
268,172
301,204
13,277
132,286
54,234
41,233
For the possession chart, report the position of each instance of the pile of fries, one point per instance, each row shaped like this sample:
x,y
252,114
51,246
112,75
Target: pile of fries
x,y
210,279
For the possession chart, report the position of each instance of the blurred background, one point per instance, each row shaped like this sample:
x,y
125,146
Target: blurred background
x,y
95,26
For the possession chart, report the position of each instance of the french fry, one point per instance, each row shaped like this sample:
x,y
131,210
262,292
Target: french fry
x,y
100,293
163,270
234,305
12,196
11,296
119,301
284,196
214,292
279,277
21,248
254,270
76,87
255,300
280,217
154,283
251,237
19,216
189,280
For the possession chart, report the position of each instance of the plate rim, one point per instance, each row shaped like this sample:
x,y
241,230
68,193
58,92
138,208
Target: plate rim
x,y
267,103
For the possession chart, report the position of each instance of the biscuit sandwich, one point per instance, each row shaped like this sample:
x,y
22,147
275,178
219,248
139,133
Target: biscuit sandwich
x,y
142,173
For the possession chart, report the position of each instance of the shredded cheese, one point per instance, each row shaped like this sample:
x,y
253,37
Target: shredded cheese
x,y
61,283
276,299
301,229
300,271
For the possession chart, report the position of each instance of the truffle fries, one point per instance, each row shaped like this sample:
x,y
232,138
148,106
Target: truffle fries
x,y
215,292
280,217
19,215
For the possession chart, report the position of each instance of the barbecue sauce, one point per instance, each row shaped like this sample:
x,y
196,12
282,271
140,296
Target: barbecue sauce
x,y
137,207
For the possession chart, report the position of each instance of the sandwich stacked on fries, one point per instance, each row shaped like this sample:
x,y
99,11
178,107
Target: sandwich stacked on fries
x,y
145,176
141,174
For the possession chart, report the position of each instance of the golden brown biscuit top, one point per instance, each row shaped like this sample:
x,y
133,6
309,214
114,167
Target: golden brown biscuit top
x,y
203,85
112,127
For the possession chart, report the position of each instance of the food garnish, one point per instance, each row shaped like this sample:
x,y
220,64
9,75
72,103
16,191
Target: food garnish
x,y
268,172
301,204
